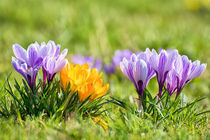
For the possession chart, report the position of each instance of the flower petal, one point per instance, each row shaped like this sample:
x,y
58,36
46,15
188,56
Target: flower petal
x,y
60,65
154,60
20,52
123,67
32,53
197,71
140,71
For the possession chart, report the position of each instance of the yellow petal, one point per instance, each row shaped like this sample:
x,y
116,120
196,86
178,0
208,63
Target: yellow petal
x,y
101,122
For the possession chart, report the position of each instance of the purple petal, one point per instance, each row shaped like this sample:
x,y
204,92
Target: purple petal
x,y
43,52
186,70
32,55
162,62
154,60
130,73
50,65
17,66
20,52
197,71
63,54
58,50
142,55
171,82
195,64
119,55
89,60
98,64
140,71
109,69
133,58
123,67
78,59
38,62
60,65
178,66
171,55
53,48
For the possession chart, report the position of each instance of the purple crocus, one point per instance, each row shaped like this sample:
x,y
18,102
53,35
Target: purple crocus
x,y
119,55
27,62
117,58
162,63
109,69
186,71
53,62
146,55
92,62
137,70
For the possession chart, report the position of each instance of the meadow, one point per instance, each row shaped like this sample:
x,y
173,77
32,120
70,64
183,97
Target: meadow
x,y
99,28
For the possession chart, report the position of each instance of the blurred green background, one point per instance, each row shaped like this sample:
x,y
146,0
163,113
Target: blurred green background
x,y
99,27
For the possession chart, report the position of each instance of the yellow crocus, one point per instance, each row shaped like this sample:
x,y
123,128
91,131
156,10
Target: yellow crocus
x,y
76,75
95,88
84,80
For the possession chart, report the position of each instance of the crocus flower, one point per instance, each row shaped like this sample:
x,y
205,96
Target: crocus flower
x,y
76,75
84,80
117,58
109,69
186,71
146,55
96,88
137,70
52,65
27,62
119,55
93,63
162,63
53,62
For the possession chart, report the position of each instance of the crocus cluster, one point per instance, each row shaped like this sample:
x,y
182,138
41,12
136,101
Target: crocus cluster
x,y
117,58
93,63
46,56
84,80
182,73
171,69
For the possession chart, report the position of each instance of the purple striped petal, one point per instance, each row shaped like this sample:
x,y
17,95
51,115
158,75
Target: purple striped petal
x,y
140,71
123,67
32,55
162,65
154,60
171,82
60,65
20,52
197,71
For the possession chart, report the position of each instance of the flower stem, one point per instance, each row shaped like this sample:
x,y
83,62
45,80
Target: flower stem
x,y
140,106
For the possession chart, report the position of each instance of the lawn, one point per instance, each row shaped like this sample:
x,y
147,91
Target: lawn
x,y
99,28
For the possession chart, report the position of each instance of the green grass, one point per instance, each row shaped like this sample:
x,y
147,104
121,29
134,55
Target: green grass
x,y
98,28
76,129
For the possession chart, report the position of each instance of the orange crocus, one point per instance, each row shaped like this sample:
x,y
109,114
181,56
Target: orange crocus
x,y
84,80
95,88
76,75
